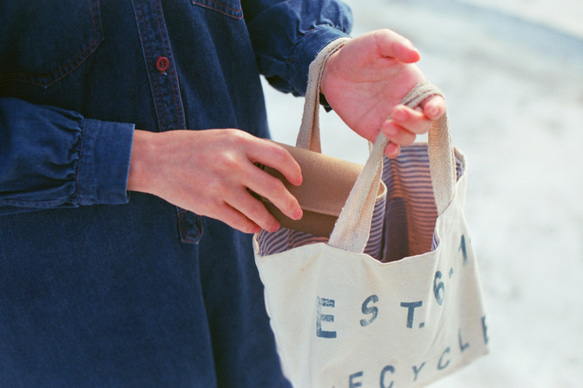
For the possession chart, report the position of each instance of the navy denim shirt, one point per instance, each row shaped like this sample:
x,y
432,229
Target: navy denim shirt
x,y
99,287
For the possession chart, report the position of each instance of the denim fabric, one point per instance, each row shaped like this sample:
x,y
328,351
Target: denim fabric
x,y
101,287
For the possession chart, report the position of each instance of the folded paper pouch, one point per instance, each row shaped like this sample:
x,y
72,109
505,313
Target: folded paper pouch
x,y
327,182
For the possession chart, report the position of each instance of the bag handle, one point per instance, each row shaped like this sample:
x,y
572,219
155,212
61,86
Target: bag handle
x,y
352,228
309,136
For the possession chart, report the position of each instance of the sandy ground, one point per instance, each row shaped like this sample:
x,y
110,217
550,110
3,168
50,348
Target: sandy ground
x,y
513,78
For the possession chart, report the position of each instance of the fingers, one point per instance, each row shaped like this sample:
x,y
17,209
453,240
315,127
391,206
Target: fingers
x,y
408,119
237,220
243,211
392,150
393,45
434,108
275,191
270,154
260,182
406,52
405,123
252,214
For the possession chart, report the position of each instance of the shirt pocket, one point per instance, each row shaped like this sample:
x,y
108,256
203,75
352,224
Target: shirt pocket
x,y
44,41
231,8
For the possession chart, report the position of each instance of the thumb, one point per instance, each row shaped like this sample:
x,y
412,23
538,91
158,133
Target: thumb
x,y
393,45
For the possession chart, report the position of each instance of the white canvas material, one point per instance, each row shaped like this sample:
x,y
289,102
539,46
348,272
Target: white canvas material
x,y
392,302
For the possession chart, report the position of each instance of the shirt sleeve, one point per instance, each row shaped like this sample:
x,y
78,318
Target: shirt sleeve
x,y
288,35
55,158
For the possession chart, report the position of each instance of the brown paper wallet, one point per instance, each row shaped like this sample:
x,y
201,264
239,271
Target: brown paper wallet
x,y
327,182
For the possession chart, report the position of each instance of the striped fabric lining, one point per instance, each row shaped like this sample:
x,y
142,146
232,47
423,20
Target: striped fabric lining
x,y
286,239
410,222
401,226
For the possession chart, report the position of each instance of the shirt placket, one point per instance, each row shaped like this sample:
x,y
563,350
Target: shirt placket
x,y
165,90
159,60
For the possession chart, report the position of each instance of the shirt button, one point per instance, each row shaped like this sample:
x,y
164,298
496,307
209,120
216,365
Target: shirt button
x,y
162,64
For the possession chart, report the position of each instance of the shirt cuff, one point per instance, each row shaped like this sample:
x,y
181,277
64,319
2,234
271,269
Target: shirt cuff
x,y
104,163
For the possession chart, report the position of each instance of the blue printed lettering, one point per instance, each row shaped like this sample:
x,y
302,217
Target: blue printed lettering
x,y
464,249
411,311
355,384
384,372
463,346
441,366
369,310
417,370
324,318
438,288
485,330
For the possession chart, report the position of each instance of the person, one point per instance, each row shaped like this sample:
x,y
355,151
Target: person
x,y
128,136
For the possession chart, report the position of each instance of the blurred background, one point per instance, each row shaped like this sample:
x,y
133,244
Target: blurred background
x,y
512,74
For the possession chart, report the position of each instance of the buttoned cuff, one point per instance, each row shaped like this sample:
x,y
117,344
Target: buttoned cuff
x,y
104,163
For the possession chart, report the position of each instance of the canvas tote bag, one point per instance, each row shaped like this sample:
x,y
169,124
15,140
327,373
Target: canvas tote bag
x,y
389,303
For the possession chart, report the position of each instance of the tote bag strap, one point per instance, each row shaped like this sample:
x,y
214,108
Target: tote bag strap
x,y
353,226
309,135
440,148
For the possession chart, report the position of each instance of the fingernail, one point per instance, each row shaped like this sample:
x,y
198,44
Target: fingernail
x,y
274,227
434,111
298,214
299,182
391,130
392,150
399,115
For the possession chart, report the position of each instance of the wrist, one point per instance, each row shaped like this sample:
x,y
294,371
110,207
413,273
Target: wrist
x,y
327,78
142,145
324,80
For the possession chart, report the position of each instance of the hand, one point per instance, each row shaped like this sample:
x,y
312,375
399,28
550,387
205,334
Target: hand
x,y
365,81
209,172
